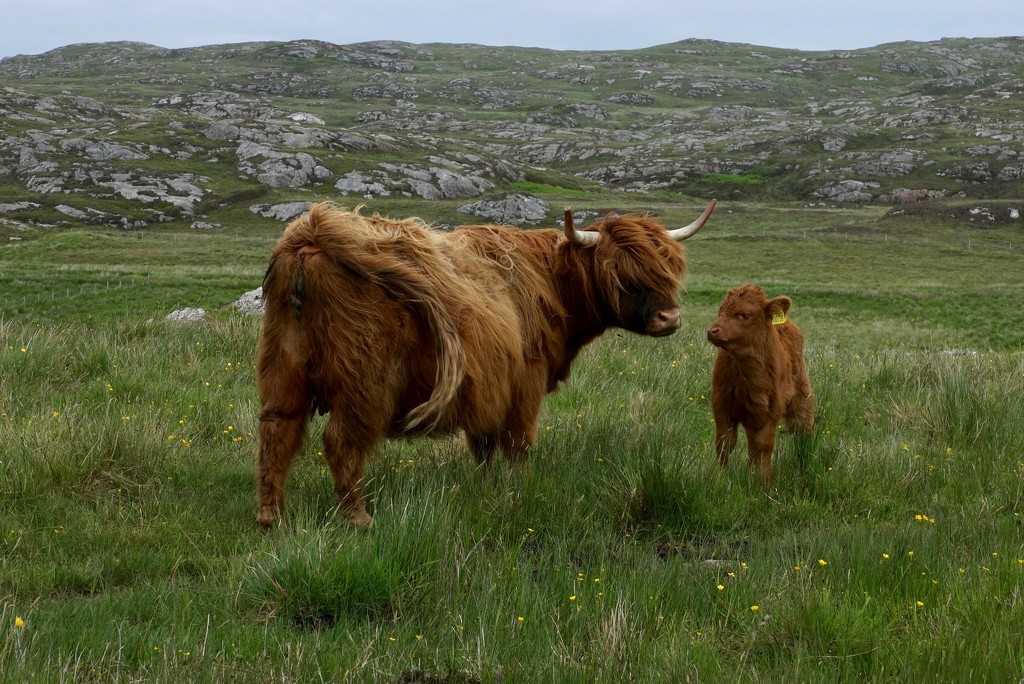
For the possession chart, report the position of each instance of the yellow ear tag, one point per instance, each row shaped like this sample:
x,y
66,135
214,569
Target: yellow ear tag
x,y
778,316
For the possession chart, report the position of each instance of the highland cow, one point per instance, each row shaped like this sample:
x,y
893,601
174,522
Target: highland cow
x,y
759,375
394,328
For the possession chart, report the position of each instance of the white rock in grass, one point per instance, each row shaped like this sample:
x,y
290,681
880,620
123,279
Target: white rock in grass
x,y
251,302
186,315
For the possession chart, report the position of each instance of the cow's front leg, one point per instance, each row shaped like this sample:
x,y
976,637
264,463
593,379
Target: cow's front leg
x,y
520,430
482,447
516,442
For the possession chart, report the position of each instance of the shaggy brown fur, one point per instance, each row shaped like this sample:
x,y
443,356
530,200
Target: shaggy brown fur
x,y
394,328
759,375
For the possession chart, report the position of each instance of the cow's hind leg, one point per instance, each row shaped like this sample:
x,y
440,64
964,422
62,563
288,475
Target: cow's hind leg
x,y
482,447
284,412
280,438
346,450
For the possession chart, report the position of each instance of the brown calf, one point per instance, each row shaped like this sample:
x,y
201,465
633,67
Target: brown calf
x,y
759,375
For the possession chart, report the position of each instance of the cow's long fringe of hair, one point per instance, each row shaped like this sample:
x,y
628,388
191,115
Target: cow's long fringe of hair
x,y
653,265
404,258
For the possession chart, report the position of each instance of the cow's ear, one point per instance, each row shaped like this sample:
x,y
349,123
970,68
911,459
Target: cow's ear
x,y
777,309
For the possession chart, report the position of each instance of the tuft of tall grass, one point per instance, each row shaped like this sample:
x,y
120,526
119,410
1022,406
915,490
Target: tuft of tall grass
x,y
313,583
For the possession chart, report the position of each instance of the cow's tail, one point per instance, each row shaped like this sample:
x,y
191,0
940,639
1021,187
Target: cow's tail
x,y
403,277
451,365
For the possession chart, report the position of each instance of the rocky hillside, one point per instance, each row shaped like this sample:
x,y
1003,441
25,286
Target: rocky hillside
x,y
128,134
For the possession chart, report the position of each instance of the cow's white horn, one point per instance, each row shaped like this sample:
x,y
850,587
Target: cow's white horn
x,y
577,236
680,234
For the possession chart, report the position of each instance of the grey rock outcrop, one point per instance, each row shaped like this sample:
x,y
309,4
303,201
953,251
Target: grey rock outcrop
x,y
279,169
286,211
355,183
10,207
447,180
899,162
515,210
910,195
100,150
220,105
846,191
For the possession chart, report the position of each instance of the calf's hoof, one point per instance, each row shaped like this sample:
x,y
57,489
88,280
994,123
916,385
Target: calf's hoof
x,y
359,518
265,518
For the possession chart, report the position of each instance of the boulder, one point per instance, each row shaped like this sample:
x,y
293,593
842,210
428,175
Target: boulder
x,y
186,315
304,117
251,302
222,130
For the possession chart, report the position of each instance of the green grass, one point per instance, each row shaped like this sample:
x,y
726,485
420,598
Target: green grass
x,y
887,550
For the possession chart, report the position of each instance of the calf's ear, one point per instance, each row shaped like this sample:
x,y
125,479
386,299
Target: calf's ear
x,y
777,309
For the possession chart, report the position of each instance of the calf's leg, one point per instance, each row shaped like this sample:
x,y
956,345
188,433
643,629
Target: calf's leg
x,y
800,416
725,439
800,412
760,446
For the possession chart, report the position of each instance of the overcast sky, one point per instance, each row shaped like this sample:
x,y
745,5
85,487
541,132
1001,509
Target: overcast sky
x,y
35,26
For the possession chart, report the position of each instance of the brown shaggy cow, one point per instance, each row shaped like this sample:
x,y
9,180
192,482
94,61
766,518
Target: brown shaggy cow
x,y
395,328
759,375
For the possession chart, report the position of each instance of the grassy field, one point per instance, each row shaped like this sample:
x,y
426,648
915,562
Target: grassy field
x,y
890,548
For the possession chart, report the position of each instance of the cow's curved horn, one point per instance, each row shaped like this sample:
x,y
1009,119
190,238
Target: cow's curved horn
x,y
680,234
577,236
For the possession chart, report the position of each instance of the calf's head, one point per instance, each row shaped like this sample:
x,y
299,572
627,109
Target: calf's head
x,y
632,269
745,319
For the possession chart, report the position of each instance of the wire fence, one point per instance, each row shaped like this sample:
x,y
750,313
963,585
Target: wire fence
x,y
971,243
